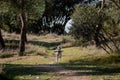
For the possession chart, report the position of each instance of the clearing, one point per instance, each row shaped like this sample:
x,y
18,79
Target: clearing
x,y
77,63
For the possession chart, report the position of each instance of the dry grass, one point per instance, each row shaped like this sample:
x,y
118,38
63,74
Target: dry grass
x,y
42,46
40,50
36,44
10,36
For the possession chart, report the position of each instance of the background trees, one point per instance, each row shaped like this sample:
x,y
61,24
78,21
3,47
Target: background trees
x,y
101,27
54,18
56,15
99,23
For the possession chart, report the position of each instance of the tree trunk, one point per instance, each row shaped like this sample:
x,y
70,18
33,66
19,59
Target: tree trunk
x,y
23,29
2,43
23,33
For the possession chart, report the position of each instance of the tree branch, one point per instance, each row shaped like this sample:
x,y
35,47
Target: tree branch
x,y
117,4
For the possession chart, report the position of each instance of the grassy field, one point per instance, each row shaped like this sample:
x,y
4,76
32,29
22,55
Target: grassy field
x,y
77,63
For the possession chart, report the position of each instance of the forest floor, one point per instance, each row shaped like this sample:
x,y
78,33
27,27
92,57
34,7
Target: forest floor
x,y
77,63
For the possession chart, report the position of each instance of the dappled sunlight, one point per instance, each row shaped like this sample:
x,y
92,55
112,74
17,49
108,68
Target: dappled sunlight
x,y
59,39
39,61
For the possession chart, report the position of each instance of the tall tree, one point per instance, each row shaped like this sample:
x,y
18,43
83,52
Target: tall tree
x,y
25,9
23,28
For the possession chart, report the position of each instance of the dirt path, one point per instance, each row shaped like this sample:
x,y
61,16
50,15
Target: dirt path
x,y
72,75
64,74
57,70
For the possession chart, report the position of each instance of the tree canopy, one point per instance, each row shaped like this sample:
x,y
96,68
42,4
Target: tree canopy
x,y
24,10
101,27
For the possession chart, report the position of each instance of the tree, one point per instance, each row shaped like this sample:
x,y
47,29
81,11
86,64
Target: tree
x,y
90,24
2,44
110,28
25,9
2,11
84,23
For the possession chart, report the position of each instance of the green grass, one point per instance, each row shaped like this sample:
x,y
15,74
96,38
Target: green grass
x,y
98,67
88,61
29,72
102,67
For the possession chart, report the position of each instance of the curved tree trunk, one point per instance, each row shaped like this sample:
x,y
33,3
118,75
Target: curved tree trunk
x,y
2,43
23,30
23,34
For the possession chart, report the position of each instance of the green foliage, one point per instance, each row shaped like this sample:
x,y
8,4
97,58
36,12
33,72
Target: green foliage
x,y
85,20
34,8
30,6
112,25
101,27
9,22
10,9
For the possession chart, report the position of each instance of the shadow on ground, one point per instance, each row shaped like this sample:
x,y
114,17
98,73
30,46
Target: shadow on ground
x,y
13,70
85,68
48,45
13,44
82,69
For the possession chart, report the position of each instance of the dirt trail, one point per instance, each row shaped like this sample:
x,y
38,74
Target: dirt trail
x,y
65,74
72,75
57,70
